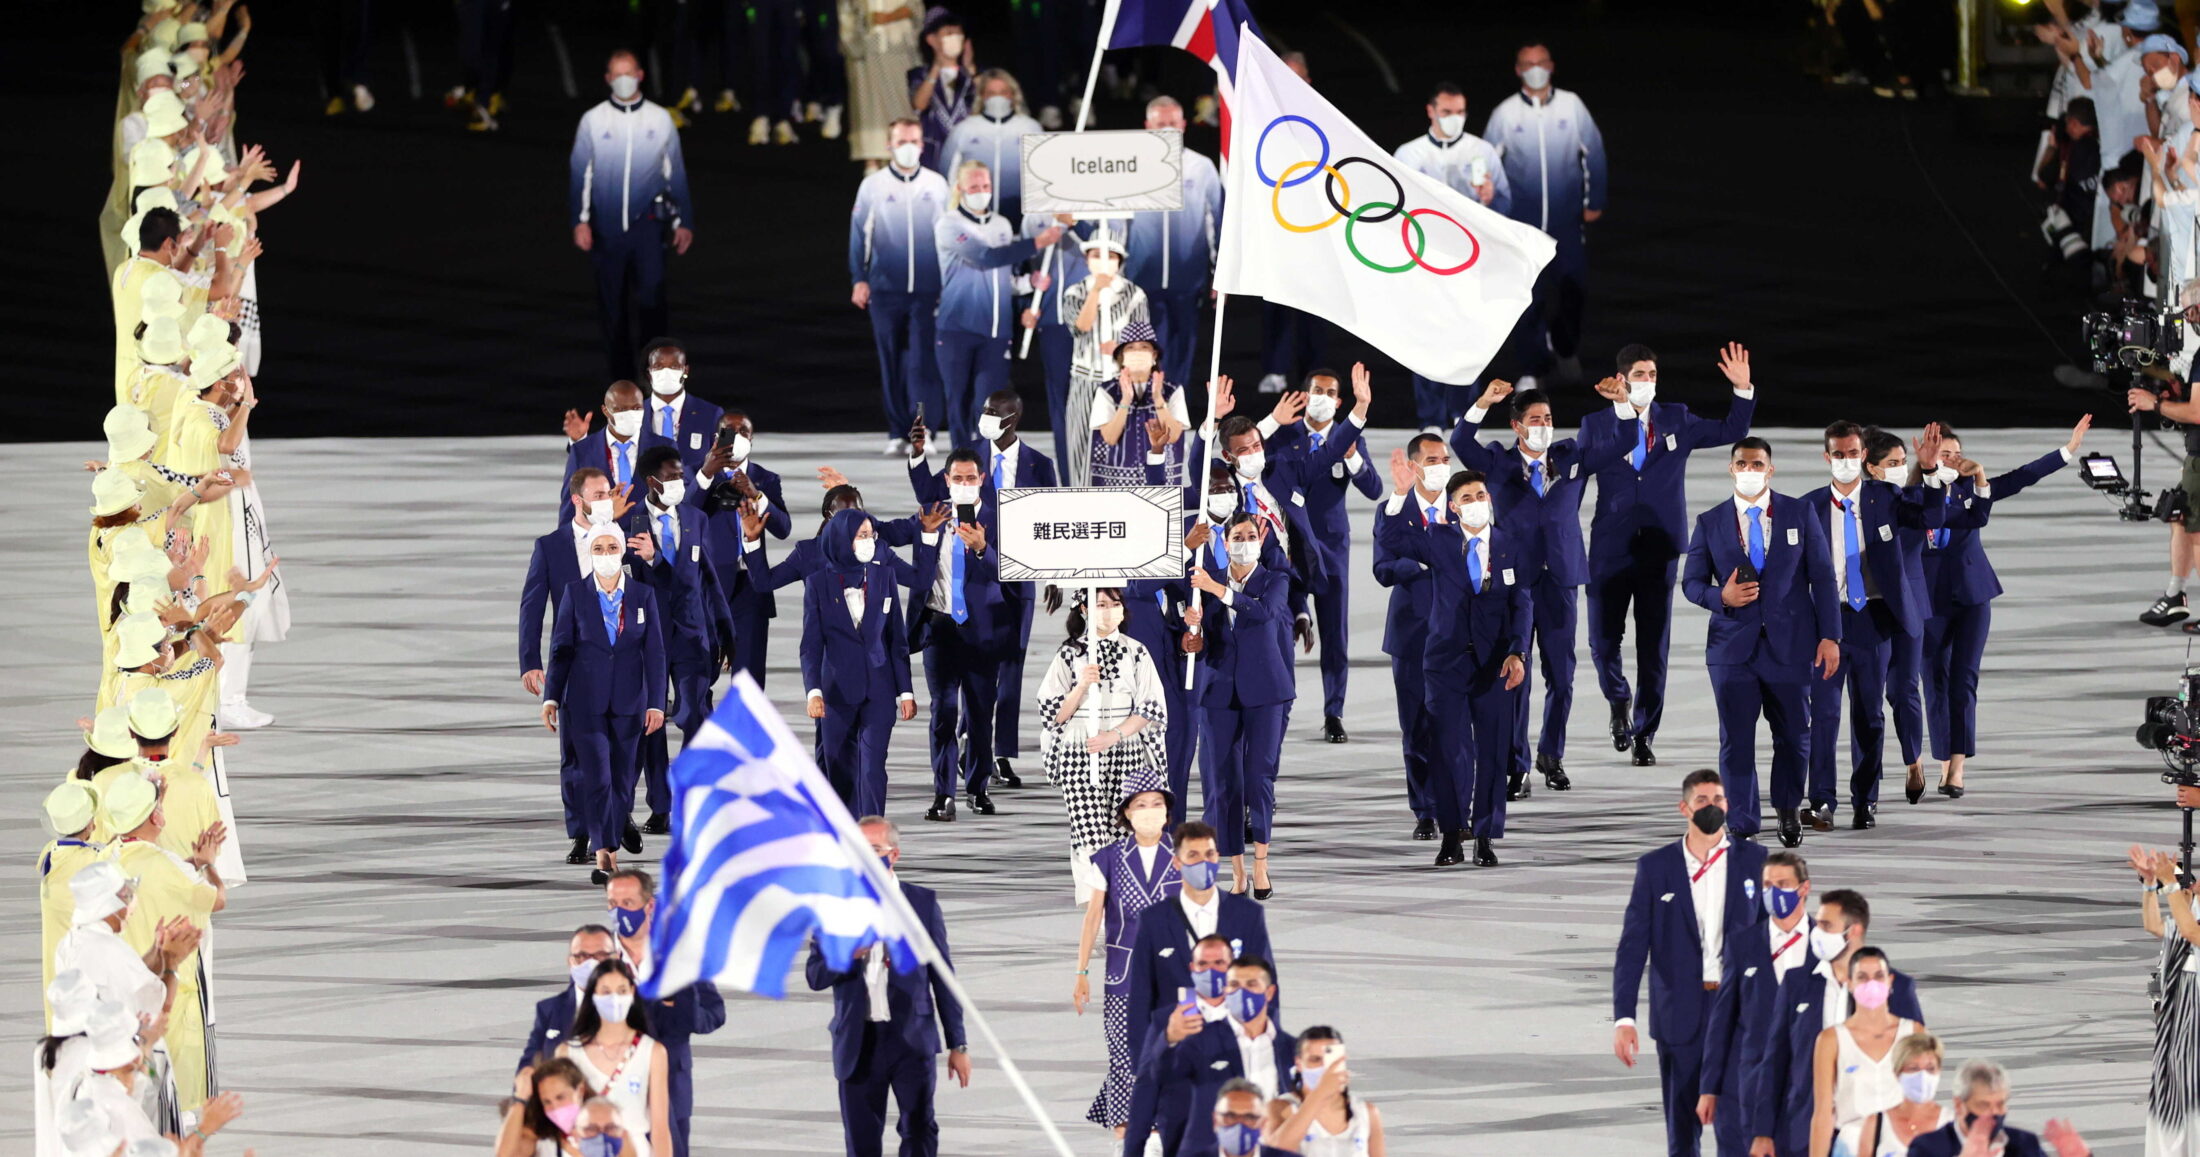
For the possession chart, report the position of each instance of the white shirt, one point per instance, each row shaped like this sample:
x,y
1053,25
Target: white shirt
x,y
1707,888
1258,1055
1145,859
1005,459
1840,544
657,408
940,599
1431,508
1202,917
1742,507
655,513
1834,1009
580,548
876,970
1788,948
853,596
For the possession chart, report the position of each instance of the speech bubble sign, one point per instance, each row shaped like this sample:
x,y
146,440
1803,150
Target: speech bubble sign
x,y
1090,534
1122,171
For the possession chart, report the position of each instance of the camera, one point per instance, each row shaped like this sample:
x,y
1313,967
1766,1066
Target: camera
x,y
2172,729
2062,235
2133,335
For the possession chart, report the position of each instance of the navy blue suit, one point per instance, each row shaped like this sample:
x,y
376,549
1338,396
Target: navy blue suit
x,y
1761,655
1886,602
553,1019
1748,998
698,630
1539,505
753,606
1781,1053
871,1058
1153,614
591,451
1405,622
602,688
694,426
962,661
860,669
691,1012
1161,969
554,566
1329,534
1199,1066
1466,639
1660,929
1947,1142
1963,586
1638,530
1245,690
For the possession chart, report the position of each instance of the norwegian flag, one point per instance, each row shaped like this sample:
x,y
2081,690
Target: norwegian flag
x,y
1208,29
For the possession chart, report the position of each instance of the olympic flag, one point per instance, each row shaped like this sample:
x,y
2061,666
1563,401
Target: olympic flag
x,y
1318,217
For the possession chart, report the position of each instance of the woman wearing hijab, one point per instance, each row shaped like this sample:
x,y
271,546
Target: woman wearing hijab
x,y
855,659
1105,717
1132,874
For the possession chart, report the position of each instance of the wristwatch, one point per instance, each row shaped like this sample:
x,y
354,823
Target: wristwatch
x,y
958,1048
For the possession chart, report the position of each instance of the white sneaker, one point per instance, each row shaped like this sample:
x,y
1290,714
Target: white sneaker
x,y
760,131
783,134
1432,430
831,129
1272,384
1526,382
896,448
361,99
241,717
1050,119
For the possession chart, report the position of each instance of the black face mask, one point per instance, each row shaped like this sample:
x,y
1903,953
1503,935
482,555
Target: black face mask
x,y
1971,1119
1709,818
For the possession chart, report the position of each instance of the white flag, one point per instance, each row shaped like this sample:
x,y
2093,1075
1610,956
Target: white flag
x,y
1321,218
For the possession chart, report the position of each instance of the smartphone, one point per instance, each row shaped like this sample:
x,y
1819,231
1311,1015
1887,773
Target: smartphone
x,y
1747,572
920,413
726,435
1184,1001
966,514
1333,1052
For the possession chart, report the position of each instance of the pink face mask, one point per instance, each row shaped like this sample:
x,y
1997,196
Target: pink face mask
x,y
564,1116
1872,993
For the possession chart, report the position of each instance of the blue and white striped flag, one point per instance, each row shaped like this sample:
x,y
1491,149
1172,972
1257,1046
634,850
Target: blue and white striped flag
x,y
763,855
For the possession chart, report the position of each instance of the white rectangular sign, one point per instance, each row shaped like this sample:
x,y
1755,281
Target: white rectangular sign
x,y
1090,535
1113,171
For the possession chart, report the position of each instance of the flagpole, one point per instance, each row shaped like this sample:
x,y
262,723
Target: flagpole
x,y
1084,116
1198,483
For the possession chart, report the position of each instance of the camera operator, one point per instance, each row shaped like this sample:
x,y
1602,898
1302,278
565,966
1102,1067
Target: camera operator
x,y
2166,397
2173,1094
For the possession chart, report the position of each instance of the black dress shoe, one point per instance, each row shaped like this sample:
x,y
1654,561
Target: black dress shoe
x,y
1791,830
1263,893
942,809
1554,772
981,803
598,877
1004,775
1644,757
1452,852
1820,817
1332,729
1863,818
1424,829
579,854
1516,786
1484,855
1952,791
658,824
1622,723
631,839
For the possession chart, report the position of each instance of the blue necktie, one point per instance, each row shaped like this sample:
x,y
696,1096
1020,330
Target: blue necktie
x,y
1432,519
1940,537
624,453
1474,562
1252,504
1000,470
1535,476
609,604
665,535
956,608
1855,563
665,424
1641,452
1318,438
1756,538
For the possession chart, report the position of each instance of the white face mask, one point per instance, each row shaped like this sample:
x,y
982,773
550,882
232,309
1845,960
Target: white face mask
x,y
606,565
866,549
1474,515
989,427
2165,78
1749,483
1108,619
951,46
1321,407
907,154
626,423
998,107
1434,476
1139,363
1946,475
1847,470
624,87
1244,553
1449,127
978,202
1148,821
1221,506
1536,438
738,448
671,491
599,511
1640,394
1105,264
613,1006
665,383
1536,77
963,494
1828,945
1249,466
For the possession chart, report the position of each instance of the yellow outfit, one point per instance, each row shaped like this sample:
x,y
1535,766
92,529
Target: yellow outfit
x,y
168,887
129,281
194,450
155,390
58,862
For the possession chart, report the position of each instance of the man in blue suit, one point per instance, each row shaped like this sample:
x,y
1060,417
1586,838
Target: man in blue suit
x,y
1779,1052
1161,955
1203,1053
674,414
590,945
606,682
965,620
1749,990
1758,562
1640,528
1474,650
677,563
880,1050
1536,485
732,482
1693,907
1159,1106
1328,522
1405,626
615,448
1008,462
560,559
1981,1113
1882,603
697,1010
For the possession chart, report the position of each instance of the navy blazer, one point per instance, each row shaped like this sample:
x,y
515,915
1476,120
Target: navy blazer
x,y
921,1008
1153,614
1660,928
1545,529
806,556
1652,502
1405,619
589,451
554,566
1161,955
698,623
1797,601
1291,473
1781,1053
726,542
854,663
1248,643
1957,574
696,423
1205,1061
1466,634
1748,993
553,1019
1947,1142
1032,469
1884,512
693,1011
591,676
1325,490
995,619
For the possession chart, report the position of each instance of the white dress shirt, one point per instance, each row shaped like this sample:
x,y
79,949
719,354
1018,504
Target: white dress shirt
x,y
1422,502
1788,948
580,547
1707,888
1202,917
1834,1009
656,512
1258,1055
876,970
1007,459
940,600
657,408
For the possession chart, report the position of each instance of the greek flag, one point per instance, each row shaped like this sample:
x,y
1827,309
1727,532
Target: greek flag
x,y
764,855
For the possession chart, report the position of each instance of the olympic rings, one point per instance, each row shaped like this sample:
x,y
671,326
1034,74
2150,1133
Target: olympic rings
x,y
1275,197
1412,257
1459,268
1396,202
1262,173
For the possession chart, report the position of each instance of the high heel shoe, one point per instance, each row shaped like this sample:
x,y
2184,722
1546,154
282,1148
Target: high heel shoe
x,y
1260,863
1914,787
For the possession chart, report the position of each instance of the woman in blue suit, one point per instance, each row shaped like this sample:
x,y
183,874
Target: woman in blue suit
x,y
1246,691
855,660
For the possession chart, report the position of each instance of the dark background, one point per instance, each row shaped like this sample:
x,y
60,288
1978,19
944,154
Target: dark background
x,y
1879,257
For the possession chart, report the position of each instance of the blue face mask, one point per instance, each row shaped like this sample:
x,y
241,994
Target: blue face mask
x,y
1238,1140
1781,903
629,920
600,1146
1245,1004
1970,1118
1209,985
886,862
1199,875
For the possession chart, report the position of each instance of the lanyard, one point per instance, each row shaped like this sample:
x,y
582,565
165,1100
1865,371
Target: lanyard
x,y
1698,876
1777,953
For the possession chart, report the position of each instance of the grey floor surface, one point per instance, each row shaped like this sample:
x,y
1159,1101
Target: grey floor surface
x,y
408,900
